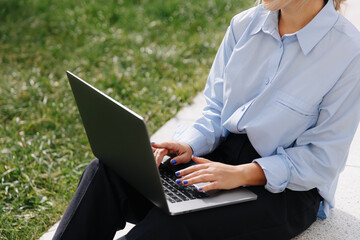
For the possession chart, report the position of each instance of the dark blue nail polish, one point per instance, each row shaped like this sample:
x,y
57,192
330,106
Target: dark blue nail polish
x,y
177,173
195,156
178,181
200,189
185,182
173,161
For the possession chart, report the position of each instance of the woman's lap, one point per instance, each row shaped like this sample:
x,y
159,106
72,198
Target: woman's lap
x,y
279,216
275,216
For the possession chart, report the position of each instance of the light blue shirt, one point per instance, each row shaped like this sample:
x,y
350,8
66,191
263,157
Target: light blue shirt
x,y
297,97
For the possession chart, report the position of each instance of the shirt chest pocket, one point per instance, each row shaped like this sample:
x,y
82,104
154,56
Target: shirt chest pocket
x,y
291,117
283,119
294,106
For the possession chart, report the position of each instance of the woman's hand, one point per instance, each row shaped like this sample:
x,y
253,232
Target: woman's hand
x,y
220,175
182,151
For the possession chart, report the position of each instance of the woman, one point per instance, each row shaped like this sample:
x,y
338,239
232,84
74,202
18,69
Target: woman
x,y
282,99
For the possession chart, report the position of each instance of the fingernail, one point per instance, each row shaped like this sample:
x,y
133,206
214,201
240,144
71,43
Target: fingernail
x,y
173,161
200,189
153,142
195,156
177,173
178,181
185,182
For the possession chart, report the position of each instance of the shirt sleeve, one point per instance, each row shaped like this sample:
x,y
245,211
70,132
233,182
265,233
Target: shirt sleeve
x,y
319,154
204,135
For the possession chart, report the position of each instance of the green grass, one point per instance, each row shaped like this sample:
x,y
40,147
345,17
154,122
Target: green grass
x,y
151,55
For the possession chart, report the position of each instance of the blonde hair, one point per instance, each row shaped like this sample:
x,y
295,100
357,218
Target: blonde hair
x,y
337,3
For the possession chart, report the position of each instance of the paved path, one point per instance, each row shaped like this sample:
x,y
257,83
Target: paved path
x,y
344,223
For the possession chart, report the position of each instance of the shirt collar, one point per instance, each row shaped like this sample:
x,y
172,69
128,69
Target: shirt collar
x,y
268,21
308,36
314,31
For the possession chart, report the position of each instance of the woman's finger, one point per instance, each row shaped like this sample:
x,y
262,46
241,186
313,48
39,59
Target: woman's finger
x,y
194,174
168,145
200,160
182,158
191,169
208,187
156,155
160,154
198,179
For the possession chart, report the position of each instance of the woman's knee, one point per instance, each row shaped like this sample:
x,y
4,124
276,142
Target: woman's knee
x,y
90,170
94,166
95,163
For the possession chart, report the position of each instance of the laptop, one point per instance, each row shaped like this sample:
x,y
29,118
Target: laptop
x,y
119,138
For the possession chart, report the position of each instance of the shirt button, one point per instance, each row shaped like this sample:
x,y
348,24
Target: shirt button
x,y
243,109
267,81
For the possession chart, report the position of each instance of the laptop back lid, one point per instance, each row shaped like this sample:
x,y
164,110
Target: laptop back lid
x,y
119,138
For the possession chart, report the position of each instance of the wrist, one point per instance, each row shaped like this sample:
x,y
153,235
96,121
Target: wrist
x,y
253,174
190,148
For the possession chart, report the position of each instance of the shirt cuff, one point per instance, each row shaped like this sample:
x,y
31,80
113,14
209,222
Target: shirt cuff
x,y
277,172
195,139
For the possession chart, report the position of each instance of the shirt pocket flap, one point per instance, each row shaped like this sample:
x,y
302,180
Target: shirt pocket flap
x,y
296,105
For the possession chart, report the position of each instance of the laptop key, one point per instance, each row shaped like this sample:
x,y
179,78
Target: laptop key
x,y
170,199
177,192
177,199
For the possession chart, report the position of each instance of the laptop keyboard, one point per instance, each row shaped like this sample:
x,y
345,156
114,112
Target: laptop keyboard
x,y
175,192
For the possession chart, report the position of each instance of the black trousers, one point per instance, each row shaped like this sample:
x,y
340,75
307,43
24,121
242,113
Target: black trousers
x,y
104,202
